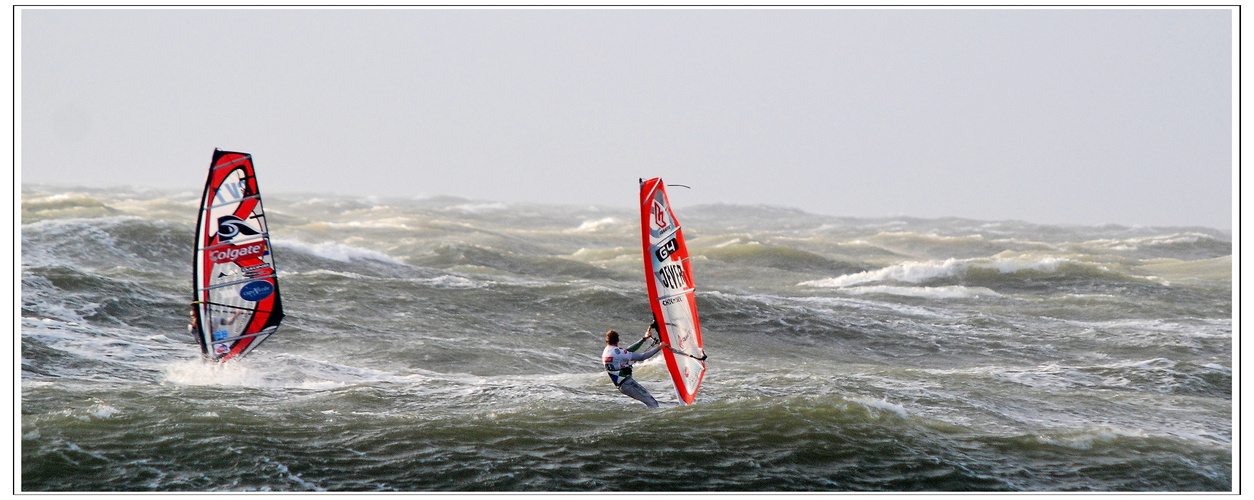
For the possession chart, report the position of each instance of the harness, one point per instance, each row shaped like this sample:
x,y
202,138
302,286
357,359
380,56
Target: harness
x,y
617,376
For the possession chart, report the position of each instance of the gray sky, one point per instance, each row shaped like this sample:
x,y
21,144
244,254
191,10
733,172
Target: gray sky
x,y
1076,116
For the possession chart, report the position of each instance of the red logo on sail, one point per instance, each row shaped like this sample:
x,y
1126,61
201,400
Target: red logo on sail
x,y
659,214
234,253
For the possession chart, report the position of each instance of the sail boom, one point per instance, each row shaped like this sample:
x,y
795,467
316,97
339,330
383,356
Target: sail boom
x,y
681,293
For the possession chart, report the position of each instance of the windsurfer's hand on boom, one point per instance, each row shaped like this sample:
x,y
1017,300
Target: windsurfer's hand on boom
x,y
648,332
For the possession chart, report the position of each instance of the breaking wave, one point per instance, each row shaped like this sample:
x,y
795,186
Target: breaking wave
x,y
920,272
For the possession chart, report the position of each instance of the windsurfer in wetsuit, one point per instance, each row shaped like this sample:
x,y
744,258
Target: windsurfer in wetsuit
x,y
618,365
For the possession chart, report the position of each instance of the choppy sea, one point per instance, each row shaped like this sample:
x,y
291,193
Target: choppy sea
x,y
447,344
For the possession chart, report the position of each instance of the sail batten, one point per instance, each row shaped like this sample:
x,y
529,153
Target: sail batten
x,y
233,283
236,301
236,201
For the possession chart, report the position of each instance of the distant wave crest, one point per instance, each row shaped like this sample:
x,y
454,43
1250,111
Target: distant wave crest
x,y
338,252
919,272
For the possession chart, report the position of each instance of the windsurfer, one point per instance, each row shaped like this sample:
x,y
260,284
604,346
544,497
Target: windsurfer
x,y
618,364
191,326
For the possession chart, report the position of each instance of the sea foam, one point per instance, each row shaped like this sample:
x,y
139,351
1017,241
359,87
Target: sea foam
x,y
925,292
593,225
918,272
338,252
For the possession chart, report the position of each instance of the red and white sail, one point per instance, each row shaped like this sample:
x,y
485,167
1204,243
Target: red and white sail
x,y
672,295
236,302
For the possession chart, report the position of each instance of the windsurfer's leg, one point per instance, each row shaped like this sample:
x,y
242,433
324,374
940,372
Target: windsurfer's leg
x,y
632,388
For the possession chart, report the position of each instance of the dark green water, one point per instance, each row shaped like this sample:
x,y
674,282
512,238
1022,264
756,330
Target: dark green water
x,y
451,345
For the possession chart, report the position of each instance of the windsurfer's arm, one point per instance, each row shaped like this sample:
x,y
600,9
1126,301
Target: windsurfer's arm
x,y
632,348
191,325
647,335
647,354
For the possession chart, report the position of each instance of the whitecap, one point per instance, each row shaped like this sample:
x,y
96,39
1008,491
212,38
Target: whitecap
x,y
912,272
475,208
450,281
926,292
882,405
101,410
1084,439
593,225
1130,244
918,272
337,251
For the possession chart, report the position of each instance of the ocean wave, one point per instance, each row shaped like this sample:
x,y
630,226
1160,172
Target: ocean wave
x,y
1186,246
450,281
922,272
478,208
607,255
1215,273
454,256
1105,439
1159,375
462,353
830,312
1132,244
881,405
754,254
911,272
37,208
593,226
107,242
43,201
390,223
42,299
369,281
95,352
926,292
338,252
935,244
66,293
172,206
336,204
198,372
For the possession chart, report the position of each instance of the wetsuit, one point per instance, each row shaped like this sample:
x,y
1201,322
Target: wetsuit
x,y
618,365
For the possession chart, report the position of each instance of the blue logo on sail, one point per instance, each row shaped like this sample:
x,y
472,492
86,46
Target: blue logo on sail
x,y
256,290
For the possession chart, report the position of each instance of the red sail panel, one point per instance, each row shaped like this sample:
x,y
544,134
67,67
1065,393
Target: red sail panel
x,y
672,294
236,301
